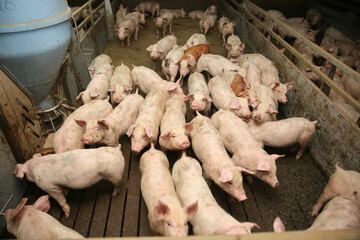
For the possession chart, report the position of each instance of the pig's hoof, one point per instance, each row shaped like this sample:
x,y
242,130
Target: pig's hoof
x,y
315,211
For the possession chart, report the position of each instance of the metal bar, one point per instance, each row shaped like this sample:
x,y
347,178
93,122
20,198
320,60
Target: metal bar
x,y
82,7
351,72
7,202
91,14
349,99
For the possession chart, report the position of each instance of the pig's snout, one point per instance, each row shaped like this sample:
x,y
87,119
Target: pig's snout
x,y
257,118
185,144
85,141
195,107
285,100
275,184
241,197
118,100
179,234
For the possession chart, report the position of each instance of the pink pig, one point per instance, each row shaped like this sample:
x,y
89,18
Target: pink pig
x,y
167,216
209,149
164,22
235,48
120,84
160,49
170,65
174,129
267,108
150,7
207,23
77,169
210,218
33,222
99,60
68,136
146,127
226,28
177,13
107,131
195,39
125,30
196,14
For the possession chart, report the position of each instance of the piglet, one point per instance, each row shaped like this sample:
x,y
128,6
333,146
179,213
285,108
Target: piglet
x,y
163,23
235,48
342,182
199,94
107,131
196,15
33,222
146,127
210,218
174,129
160,49
190,58
284,133
177,13
68,136
170,65
195,39
207,23
120,84
226,28
150,7
76,169
247,152
209,149
167,216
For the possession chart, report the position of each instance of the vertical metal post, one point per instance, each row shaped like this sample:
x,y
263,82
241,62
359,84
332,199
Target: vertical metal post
x,y
110,21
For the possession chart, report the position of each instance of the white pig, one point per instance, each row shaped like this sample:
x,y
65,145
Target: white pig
x,y
162,47
210,218
150,7
76,169
212,10
33,222
107,131
209,149
68,136
267,109
224,97
284,133
170,65
146,127
199,94
216,64
247,152
163,22
235,48
207,23
253,77
120,84
174,129
99,60
138,19
166,215
336,34
177,13
195,39
226,28
148,79
298,20
342,182
196,14
125,30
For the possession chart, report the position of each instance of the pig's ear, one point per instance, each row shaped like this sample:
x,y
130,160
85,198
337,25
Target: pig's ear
x,y
208,98
130,130
307,69
94,94
278,225
233,22
242,46
79,96
228,46
116,28
276,156
165,20
224,24
172,87
160,210
103,124
235,105
226,175
289,85
255,103
149,48
160,49
20,170
274,85
244,170
17,212
111,88
189,127
165,136
189,97
191,210
154,19
42,203
272,109
148,132
127,88
81,123
250,225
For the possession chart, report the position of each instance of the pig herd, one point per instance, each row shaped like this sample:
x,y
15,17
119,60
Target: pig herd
x,y
244,88
334,41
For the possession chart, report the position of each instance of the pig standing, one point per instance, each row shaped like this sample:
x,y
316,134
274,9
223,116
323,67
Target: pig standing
x,y
177,13
146,127
212,10
174,129
160,49
163,22
196,14
226,28
247,152
69,135
120,15
266,110
125,30
209,148
76,169
120,84
210,218
148,79
342,182
166,215
107,131
313,16
199,94
235,48
284,133
207,23
191,57
216,64
276,28
150,7
33,222
138,19
195,39
253,77
223,97
170,65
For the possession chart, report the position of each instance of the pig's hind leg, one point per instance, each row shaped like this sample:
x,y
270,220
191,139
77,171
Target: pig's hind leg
x,y
60,198
325,196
